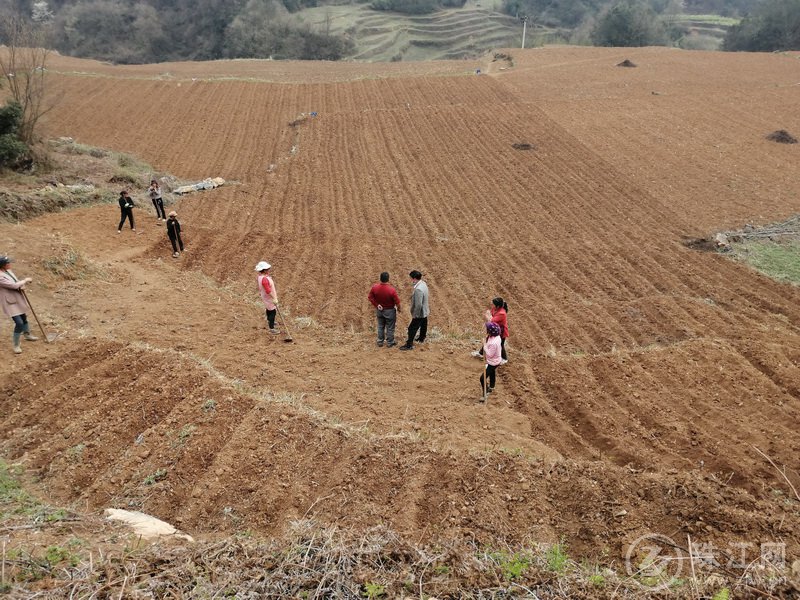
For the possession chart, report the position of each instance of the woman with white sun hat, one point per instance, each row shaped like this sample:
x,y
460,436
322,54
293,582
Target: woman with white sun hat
x,y
269,295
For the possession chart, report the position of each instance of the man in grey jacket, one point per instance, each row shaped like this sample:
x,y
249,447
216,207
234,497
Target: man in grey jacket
x,y
419,311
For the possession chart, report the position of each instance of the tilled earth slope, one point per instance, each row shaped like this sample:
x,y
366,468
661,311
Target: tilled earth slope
x,y
643,374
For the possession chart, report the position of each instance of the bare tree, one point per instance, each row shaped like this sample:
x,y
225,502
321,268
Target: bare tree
x,y
23,59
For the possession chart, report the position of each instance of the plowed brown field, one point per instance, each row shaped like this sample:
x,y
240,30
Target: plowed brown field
x,y
643,374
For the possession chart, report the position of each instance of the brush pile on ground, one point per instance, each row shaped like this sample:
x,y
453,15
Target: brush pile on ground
x,y
722,241
789,227
326,562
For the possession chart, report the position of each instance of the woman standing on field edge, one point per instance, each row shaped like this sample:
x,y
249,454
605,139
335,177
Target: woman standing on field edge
x,y
14,303
269,295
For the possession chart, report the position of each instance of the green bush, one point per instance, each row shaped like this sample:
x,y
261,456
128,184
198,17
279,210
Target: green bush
x,y
318,46
773,25
260,32
10,117
11,149
629,23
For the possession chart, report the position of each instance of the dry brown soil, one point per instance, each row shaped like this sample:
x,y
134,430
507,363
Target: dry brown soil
x,y
642,373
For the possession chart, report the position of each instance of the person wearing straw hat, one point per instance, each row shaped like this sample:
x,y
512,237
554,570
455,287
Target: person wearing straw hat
x,y
269,295
14,304
174,233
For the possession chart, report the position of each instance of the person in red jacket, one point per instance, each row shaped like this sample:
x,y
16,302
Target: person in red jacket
x,y
386,302
497,313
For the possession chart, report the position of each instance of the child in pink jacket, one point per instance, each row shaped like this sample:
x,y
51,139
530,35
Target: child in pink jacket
x,y
492,351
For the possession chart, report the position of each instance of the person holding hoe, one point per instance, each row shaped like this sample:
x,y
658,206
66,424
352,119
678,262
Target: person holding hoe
x,y
492,354
174,234
14,303
269,295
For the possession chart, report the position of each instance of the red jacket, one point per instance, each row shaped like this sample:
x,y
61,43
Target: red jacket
x,y
500,317
385,295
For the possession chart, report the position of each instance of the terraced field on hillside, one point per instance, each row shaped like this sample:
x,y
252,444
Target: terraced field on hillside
x,y
466,32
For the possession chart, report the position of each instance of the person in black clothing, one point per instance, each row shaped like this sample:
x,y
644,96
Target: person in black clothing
x,y
174,233
126,210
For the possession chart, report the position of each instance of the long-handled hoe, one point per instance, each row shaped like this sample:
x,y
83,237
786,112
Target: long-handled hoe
x,y
288,337
49,337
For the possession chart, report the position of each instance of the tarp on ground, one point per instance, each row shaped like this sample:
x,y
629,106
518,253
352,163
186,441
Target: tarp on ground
x,y
206,184
145,525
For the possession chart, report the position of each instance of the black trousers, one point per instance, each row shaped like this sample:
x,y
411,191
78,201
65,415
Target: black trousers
x,y
159,204
491,371
271,317
417,324
176,241
126,214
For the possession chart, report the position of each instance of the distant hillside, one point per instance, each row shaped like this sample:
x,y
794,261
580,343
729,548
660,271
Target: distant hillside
x,y
445,34
153,31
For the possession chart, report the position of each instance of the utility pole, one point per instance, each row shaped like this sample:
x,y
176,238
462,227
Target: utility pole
x,y
524,28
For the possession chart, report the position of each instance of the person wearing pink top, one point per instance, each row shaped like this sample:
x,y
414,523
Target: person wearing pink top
x,y
492,351
269,295
497,313
15,305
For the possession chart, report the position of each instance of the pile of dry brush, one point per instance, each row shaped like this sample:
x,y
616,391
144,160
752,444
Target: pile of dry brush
x,y
327,562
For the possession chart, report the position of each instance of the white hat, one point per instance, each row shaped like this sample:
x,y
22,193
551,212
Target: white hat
x,y
263,265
